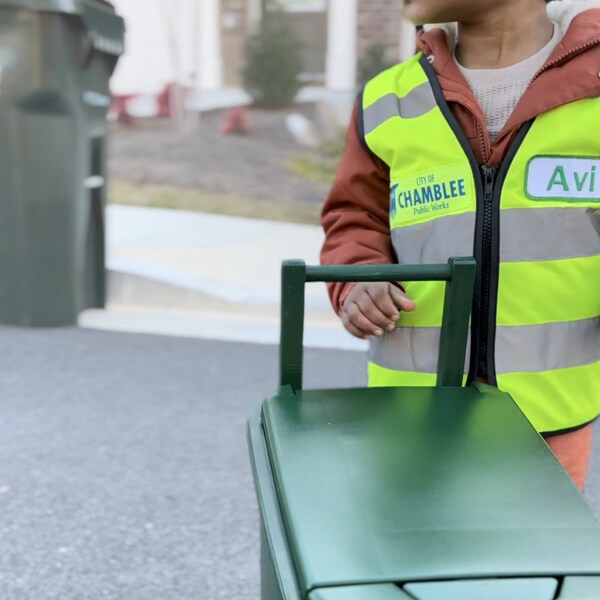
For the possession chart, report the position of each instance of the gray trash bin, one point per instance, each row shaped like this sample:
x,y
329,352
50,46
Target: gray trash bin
x,y
56,58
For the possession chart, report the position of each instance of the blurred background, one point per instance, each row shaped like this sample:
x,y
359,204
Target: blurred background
x,y
235,107
159,159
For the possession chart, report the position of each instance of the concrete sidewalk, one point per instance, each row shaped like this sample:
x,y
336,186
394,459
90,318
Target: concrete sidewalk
x,y
208,276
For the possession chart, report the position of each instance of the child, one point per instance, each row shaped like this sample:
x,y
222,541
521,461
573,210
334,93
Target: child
x,y
486,145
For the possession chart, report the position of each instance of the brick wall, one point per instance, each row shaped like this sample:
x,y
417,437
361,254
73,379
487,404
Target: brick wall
x,y
309,27
379,22
233,39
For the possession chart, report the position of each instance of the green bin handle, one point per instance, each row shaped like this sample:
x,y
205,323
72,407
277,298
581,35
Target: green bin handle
x,y
459,274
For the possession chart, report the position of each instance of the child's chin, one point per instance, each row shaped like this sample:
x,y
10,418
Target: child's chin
x,y
411,13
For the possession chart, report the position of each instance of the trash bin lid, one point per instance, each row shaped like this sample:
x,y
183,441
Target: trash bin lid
x,y
413,485
542,588
538,588
383,591
105,28
64,6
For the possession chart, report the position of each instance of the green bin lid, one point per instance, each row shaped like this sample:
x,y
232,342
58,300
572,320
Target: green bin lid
x,y
105,28
415,485
580,588
541,588
383,591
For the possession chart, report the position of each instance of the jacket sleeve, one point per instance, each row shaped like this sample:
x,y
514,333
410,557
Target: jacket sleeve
x,y
355,215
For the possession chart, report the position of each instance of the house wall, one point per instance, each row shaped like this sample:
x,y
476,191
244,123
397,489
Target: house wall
x,y
379,22
234,32
209,62
309,26
310,29
159,45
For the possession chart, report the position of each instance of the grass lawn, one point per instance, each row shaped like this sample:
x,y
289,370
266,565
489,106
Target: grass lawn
x,y
166,196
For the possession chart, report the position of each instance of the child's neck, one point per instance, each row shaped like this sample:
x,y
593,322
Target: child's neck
x,y
504,38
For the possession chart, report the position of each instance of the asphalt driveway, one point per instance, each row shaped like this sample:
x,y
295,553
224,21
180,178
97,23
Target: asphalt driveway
x,y
123,464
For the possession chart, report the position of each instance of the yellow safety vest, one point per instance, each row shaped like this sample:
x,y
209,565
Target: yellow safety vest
x,y
533,225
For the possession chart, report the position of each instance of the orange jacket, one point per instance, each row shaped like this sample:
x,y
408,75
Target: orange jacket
x,y
355,213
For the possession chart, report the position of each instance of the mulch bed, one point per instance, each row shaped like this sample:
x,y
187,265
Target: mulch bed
x,y
249,165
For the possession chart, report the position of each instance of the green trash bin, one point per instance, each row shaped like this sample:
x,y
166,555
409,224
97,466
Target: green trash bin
x,y
443,493
56,58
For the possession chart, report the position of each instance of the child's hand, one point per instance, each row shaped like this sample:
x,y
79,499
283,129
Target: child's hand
x,y
371,308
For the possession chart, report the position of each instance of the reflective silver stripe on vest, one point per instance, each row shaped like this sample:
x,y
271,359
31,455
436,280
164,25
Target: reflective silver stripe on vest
x,y
435,240
408,349
523,348
526,235
418,102
549,233
534,348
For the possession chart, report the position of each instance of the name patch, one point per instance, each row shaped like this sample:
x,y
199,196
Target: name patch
x,y
566,178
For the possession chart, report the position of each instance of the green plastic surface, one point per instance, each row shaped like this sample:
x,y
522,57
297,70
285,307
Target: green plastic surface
x,y
418,484
105,28
458,273
57,58
278,575
423,493
580,588
485,589
383,591
63,6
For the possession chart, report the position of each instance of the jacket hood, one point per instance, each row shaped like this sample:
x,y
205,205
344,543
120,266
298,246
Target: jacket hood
x,y
562,12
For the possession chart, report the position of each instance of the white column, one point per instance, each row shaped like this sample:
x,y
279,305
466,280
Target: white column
x,y
408,39
341,45
210,60
187,30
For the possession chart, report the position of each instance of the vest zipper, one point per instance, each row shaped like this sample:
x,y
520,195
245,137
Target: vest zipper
x,y
487,255
489,219
486,247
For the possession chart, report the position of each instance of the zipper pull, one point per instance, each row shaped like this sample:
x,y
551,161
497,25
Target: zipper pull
x,y
488,176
